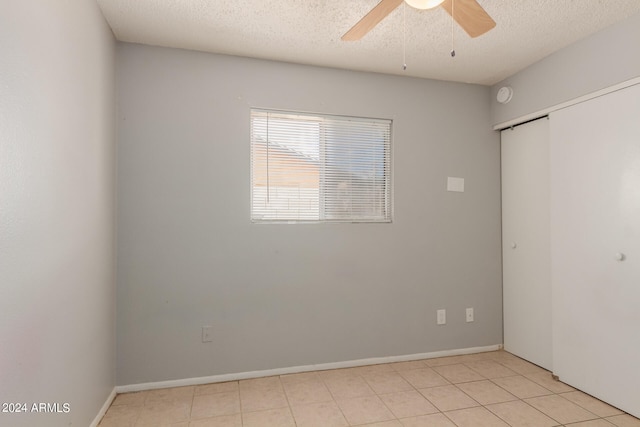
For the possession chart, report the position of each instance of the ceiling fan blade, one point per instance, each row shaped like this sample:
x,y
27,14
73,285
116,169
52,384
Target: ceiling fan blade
x,y
470,16
371,19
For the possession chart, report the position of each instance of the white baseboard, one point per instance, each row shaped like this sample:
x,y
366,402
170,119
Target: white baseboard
x,y
298,369
104,408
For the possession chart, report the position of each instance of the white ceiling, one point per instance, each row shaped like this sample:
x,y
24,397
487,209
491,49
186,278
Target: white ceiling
x,y
309,31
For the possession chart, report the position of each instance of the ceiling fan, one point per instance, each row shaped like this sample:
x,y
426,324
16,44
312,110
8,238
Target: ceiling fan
x,y
467,13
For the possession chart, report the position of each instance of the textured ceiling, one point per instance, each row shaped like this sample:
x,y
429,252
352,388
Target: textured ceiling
x,y
309,31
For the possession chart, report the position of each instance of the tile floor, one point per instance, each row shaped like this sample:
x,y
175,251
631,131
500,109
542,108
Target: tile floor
x,y
493,389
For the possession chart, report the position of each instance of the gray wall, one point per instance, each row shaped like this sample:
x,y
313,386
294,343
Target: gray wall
x,y
290,295
602,60
57,206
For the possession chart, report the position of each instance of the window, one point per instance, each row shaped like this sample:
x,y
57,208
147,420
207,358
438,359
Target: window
x,y
319,168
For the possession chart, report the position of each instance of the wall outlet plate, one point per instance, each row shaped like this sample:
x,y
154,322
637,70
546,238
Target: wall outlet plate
x,y
469,315
207,333
441,317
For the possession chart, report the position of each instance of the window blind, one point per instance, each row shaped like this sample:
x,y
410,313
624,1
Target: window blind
x,y
320,168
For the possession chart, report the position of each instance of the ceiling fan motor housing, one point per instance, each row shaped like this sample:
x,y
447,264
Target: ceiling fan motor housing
x,y
424,4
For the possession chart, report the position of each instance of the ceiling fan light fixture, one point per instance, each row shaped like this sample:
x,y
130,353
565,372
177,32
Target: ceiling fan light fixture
x,y
424,4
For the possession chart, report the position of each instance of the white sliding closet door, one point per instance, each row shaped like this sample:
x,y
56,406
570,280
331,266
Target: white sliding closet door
x,y
525,241
595,237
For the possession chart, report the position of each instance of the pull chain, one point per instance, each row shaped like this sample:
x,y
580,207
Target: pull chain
x,y
404,36
453,49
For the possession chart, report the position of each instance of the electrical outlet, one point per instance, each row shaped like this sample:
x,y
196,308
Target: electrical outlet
x,y
441,317
469,315
207,333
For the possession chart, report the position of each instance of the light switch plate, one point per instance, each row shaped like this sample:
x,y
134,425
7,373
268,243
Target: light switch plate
x,y
455,184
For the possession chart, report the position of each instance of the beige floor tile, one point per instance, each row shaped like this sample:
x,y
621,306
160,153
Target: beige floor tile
x,y
392,423
257,398
323,414
560,409
485,392
216,388
407,366
493,355
234,420
348,386
448,398
501,355
122,410
434,420
591,404
132,399
372,369
165,394
266,383
624,421
496,380
475,417
458,373
449,360
300,393
280,417
490,369
122,419
214,405
474,357
387,382
521,366
164,413
300,377
424,378
545,379
521,387
364,410
408,404
593,423
333,374
521,414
